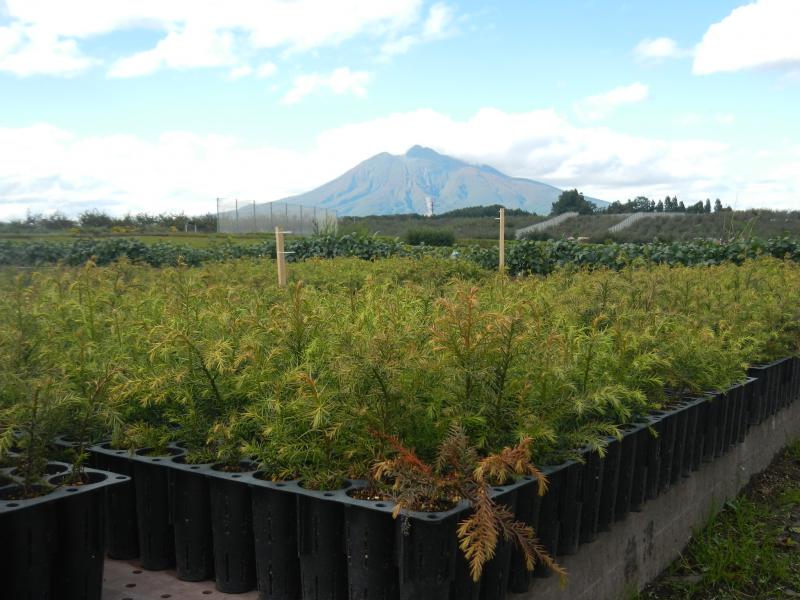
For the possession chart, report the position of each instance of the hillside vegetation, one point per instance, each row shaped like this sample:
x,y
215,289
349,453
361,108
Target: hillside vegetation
x,y
468,223
722,226
719,226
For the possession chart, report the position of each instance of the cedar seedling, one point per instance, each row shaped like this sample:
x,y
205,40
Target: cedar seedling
x,y
460,474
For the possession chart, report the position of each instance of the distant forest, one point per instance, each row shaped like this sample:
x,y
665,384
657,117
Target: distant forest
x,y
100,222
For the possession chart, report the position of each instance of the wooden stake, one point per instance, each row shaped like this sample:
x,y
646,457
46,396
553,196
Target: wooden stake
x,y
502,240
280,257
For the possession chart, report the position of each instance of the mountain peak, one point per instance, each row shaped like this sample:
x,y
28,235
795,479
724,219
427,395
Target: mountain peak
x,y
422,152
412,182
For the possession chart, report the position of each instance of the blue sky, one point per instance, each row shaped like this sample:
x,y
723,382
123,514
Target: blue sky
x,y
164,105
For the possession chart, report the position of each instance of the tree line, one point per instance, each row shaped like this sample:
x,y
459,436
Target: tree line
x,y
95,220
574,201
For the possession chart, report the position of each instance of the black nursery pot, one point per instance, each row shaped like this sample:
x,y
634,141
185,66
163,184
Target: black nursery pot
x,y
787,381
758,400
744,393
642,470
28,548
371,570
653,455
702,441
679,449
628,471
53,544
773,386
497,572
591,492
81,538
570,509
528,504
275,537
757,411
320,546
667,428
156,533
191,515
549,523
713,433
122,537
795,379
232,529
426,554
612,463
463,585
732,397
345,552
693,444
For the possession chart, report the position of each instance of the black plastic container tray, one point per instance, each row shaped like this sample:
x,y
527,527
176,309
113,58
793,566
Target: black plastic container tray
x,y
330,545
156,536
53,544
214,536
104,480
420,562
122,537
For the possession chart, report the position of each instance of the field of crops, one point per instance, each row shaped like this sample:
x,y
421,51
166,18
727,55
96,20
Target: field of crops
x,y
431,378
522,258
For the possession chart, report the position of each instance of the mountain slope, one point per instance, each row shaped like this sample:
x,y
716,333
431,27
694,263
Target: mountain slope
x,y
389,184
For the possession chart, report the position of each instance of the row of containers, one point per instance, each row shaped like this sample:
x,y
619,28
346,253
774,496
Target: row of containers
x,y
245,531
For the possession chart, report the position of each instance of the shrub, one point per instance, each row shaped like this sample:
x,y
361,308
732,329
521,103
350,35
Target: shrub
x,y
430,237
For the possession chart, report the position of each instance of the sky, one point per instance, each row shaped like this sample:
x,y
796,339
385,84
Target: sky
x,y
165,105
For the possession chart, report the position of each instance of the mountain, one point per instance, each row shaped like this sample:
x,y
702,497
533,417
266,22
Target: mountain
x,y
388,184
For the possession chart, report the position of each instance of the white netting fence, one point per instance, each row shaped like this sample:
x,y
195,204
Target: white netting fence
x,y
241,216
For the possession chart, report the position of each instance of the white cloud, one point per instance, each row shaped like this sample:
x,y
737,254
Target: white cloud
x,y
263,71
45,168
762,34
185,49
240,71
268,69
26,51
595,108
657,49
439,24
207,34
339,81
